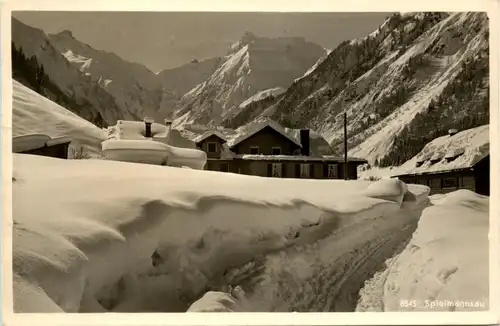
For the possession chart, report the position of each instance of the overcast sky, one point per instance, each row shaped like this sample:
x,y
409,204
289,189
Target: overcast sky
x,y
163,40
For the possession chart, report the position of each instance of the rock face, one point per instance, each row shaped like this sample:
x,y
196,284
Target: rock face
x,y
408,82
253,64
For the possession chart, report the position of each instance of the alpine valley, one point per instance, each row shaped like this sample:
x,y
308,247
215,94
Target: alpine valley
x,y
410,81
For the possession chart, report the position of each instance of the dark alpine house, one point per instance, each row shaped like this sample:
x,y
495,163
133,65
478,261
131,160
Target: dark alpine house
x,y
452,162
43,145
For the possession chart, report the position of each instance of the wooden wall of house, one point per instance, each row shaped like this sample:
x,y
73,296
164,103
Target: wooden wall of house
x,y
221,165
482,176
444,182
290,169
204,146
266,139
56,151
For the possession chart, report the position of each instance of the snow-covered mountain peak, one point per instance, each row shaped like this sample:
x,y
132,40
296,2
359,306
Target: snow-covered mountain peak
x,y
254,64
66,33
247,38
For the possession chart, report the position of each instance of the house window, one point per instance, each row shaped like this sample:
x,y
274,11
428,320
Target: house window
x,y
276,150
254,150
224,167
435,183
468,182
450,182
212,147
304,170
333,171
276,170
422,182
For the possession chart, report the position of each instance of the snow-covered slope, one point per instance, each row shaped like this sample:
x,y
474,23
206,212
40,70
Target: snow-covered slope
x,y
34,114
253,64
83,94
182,79
134,87
168,233
415,77
178,81
445,266
262,94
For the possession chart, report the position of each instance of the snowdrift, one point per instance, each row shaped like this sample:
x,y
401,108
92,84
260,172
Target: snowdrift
x,y
153,152
91,247
445,266
35,114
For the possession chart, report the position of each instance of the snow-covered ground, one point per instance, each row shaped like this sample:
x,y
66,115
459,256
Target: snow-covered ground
x,y
445,266
151,238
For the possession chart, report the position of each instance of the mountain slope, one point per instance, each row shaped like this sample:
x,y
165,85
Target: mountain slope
x,y
252,65
86,97
178,81
408,82
182,79
135,88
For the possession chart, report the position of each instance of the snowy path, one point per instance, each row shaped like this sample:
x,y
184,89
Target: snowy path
x,y
339,265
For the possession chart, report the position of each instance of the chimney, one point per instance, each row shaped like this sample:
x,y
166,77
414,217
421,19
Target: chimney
x,y
305,142
168,123
148,122
452,132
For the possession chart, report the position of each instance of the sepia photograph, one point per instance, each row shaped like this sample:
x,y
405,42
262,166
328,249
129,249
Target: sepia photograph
x,y
191,161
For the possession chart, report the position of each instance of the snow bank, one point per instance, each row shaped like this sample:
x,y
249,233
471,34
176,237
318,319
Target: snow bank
x,y
387,189
153,152
136,151
445,265
35,114
118,236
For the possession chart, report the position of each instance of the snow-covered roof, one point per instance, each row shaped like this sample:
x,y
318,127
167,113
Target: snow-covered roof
x,y
261,157
209,133
33,141
253,128
460,151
